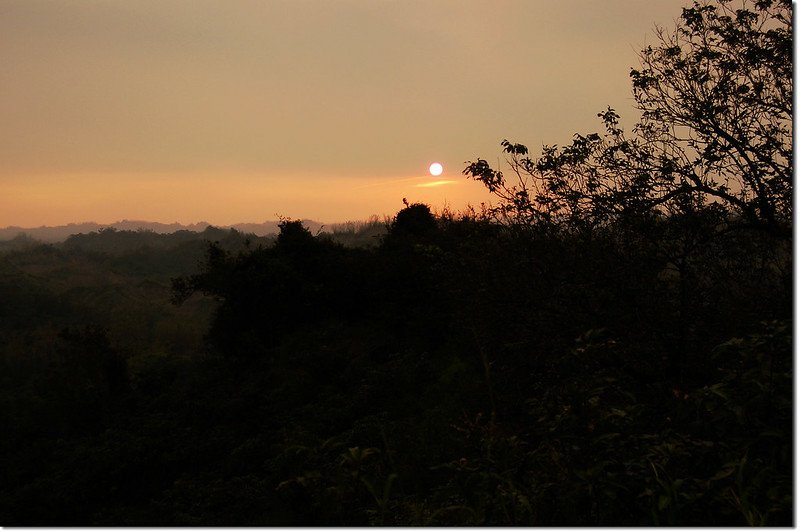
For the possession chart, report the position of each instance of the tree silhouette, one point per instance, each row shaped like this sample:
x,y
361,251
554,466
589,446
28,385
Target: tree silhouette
x,y
414,220
716,129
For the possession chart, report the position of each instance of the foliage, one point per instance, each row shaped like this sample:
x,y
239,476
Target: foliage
x,y
618,356
359,234
461,372
715,132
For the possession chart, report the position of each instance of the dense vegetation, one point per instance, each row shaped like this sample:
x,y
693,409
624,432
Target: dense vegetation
x,y
461,372
610,345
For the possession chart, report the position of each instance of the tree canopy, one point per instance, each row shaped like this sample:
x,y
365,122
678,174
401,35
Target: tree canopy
x,y
715,96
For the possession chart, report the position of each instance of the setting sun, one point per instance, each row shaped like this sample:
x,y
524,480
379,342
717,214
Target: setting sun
x,y
232,294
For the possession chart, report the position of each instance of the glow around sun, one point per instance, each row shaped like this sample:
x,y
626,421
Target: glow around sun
x,y
436,169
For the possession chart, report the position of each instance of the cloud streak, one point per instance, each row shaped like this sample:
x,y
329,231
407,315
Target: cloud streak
x,y
439,183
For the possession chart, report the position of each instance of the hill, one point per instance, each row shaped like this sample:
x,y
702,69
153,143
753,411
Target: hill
x,y
62,232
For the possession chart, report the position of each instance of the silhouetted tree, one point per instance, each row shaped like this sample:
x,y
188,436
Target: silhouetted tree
x,y
716,128
268,292
414,220
293,235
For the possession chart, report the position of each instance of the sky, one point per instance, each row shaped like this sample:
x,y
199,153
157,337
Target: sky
x,y
333,110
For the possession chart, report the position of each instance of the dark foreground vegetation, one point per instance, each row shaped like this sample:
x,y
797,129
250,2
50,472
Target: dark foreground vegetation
x,y
462,372
611,345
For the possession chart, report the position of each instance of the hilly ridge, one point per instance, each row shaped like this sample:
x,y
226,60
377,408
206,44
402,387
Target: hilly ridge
x,y
53,234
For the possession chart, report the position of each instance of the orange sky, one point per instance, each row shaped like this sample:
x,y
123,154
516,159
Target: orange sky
x,y
223,199
238,111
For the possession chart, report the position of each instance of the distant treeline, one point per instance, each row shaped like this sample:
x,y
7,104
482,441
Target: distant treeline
x,y
610,344
60,233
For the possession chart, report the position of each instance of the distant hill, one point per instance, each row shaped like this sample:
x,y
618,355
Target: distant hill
x,y
62,232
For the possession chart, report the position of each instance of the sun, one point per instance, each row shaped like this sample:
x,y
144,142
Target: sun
x,y
436,169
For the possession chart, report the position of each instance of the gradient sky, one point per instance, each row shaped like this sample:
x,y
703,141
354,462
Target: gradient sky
x,y
239,111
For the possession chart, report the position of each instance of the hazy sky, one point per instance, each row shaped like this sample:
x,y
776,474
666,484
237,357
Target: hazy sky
x,y
238,111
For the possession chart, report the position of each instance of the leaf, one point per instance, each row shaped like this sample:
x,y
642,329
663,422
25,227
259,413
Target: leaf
x,y
718,390
663,502
724,473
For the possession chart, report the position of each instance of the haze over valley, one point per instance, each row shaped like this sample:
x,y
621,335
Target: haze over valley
x,y
466,263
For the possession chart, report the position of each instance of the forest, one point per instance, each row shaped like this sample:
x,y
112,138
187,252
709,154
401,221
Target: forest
x,y
610,344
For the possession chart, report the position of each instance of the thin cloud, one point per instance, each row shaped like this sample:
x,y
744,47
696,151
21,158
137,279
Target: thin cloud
x,y
436,183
